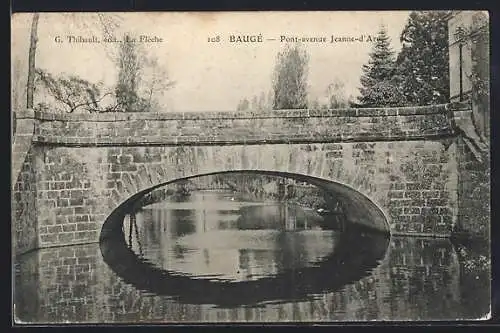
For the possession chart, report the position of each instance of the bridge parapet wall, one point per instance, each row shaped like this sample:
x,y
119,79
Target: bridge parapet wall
x,y
283,126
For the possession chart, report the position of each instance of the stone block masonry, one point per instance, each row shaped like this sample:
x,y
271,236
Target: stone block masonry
x,y
396,169
24,204
284,126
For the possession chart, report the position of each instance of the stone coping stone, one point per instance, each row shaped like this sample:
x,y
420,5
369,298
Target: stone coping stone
x,y
348,112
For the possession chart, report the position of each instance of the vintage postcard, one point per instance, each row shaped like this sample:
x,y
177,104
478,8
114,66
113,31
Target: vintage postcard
x,y
264,167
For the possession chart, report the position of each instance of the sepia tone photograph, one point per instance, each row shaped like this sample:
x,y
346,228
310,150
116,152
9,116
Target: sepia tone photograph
x,y
250,167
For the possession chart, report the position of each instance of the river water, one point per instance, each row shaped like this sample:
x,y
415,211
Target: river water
x,y
214,257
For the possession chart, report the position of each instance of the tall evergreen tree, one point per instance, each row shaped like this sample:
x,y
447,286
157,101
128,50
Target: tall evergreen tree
x,y
376,80
422,65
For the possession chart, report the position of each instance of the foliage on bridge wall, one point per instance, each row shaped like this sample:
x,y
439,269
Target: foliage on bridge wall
x,y
474,192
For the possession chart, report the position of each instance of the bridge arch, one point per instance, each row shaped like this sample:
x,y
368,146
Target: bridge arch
x,y
77,169
363,211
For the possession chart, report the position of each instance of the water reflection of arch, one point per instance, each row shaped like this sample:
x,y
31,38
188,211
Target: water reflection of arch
x,y
345,265
243,251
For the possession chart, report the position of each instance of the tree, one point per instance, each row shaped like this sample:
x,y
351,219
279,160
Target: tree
x,y
377,75
316,105
243,105
385,93
31,61
71,91
336,95
107,22
290,79
270,99
129,75
422,64
155,82
141,79
254,104
262,103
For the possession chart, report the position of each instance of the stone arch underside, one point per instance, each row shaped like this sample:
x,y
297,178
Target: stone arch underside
x,y
362,185
362,210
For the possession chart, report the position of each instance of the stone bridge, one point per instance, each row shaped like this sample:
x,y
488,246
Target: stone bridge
x,y
399,170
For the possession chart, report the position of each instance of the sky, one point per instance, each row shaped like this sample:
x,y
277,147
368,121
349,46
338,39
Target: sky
x,y
212,76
